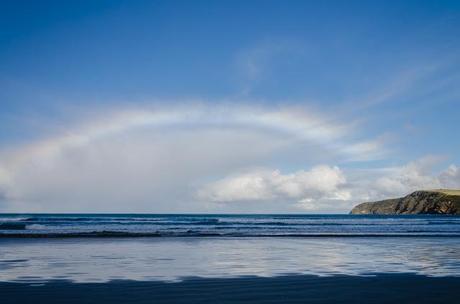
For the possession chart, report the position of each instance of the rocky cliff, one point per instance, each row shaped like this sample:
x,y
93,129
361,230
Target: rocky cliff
x,y
419,202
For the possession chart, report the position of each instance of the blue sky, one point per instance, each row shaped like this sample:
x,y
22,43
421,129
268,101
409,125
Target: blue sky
x,y
301,103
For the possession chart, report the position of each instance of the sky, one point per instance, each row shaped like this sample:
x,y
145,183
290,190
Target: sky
x,y
226,106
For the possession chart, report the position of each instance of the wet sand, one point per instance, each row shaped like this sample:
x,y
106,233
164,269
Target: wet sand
x,y
382,288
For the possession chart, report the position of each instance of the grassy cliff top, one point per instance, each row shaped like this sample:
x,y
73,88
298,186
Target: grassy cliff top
x,y
447,191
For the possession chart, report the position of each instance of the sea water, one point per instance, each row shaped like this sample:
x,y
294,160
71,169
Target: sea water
x,y
101,248
227,225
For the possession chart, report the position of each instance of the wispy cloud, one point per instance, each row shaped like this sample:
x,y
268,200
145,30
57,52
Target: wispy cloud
x,y
256,63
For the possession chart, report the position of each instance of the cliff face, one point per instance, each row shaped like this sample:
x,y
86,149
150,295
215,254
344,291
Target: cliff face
x,y
419,202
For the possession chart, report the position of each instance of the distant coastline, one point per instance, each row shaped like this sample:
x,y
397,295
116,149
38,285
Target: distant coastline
x,y
438,201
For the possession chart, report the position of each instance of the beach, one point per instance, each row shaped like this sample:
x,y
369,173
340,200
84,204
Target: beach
x,y
384,288
229,259
230,270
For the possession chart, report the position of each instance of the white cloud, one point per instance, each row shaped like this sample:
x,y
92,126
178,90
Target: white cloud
x,y
413,176
325,188
450,178
302,187
399,181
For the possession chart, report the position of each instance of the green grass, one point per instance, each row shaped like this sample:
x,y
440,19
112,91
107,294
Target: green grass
x,y
447,191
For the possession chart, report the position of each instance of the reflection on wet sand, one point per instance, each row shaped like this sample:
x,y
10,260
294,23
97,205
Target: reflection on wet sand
x,y
171,259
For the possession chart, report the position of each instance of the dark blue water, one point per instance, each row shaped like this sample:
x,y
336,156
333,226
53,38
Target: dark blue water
x,y
226,225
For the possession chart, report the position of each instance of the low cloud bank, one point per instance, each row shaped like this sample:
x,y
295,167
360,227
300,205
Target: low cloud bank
x,y
304,187
325,187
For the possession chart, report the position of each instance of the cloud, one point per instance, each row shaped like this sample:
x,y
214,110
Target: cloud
x,y
153,160
413,176
390,182
302,187
327,188
257,63
450,178
201,158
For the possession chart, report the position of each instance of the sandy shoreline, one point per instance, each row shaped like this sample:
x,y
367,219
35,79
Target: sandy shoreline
x,y
382,288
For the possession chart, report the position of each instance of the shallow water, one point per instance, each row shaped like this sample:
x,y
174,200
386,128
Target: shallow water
x,y
172,259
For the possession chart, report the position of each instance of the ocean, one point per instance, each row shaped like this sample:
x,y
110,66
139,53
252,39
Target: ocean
x,y
176,258
219,225
38,248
